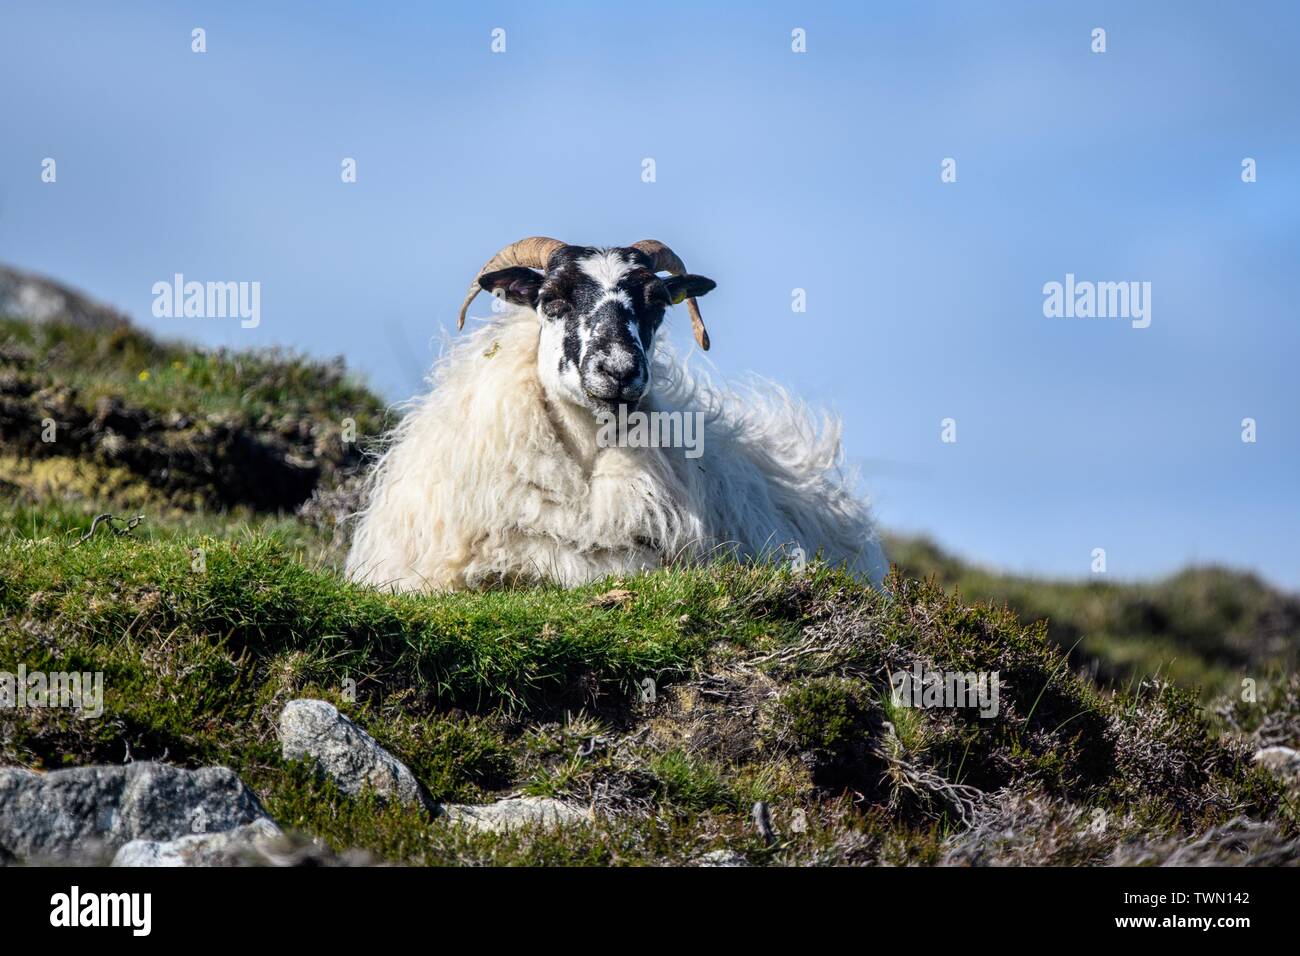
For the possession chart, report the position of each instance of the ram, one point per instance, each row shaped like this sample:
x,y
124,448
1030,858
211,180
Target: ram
x,y
505,470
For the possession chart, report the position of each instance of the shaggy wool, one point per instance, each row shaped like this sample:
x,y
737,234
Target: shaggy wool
x,y
487,480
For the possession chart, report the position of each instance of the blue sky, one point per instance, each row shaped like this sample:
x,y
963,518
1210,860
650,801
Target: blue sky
x,y
775,171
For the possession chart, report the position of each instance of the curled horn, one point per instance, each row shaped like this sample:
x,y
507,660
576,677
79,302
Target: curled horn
x,y
532,253
665,260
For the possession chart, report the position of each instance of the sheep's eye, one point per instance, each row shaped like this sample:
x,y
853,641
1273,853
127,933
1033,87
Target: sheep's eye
x,y
656,294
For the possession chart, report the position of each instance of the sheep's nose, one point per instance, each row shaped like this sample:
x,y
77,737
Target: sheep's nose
x,y
627,373
616,377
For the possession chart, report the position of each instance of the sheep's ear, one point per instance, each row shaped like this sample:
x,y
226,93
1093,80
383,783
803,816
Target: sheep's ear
x,y
688,287
517,285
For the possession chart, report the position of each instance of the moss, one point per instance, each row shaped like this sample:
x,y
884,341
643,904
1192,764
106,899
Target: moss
x,y
825,714
70,480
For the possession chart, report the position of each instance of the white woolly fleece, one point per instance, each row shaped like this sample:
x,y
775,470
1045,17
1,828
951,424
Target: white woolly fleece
x,y
487,481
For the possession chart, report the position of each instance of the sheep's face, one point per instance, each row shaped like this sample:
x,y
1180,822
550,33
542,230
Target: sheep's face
x,y
599,310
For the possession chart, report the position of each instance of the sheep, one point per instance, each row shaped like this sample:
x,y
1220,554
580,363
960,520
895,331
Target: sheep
x,y
506,472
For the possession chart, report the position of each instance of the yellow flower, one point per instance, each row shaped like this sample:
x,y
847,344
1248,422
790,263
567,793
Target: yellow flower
x,y
144,376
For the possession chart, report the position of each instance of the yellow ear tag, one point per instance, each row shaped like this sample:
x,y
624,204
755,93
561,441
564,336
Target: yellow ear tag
x,y
680,297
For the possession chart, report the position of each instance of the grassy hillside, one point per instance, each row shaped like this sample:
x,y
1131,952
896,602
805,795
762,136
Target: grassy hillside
x,y
1204,627
117,416
769,686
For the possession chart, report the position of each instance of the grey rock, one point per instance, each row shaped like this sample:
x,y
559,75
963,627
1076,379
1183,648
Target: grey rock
x,y
512,813
250,845
722,858
1282,761
84,813
33,298
316,731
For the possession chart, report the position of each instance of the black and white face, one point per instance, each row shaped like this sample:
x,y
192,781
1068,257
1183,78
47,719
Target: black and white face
x,y
599,310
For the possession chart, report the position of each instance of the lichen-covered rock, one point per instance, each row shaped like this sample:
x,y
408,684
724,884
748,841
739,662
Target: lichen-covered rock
x,y
512,813
722,858
85,813
316,731
1282,761
248,845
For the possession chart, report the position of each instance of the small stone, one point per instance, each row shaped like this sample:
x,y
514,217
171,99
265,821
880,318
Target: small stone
x,y
722,858
514,812
315,730
762,818
245,845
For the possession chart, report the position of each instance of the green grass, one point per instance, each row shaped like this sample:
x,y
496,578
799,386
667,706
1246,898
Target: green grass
x,y
128,363
255,596
770,687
